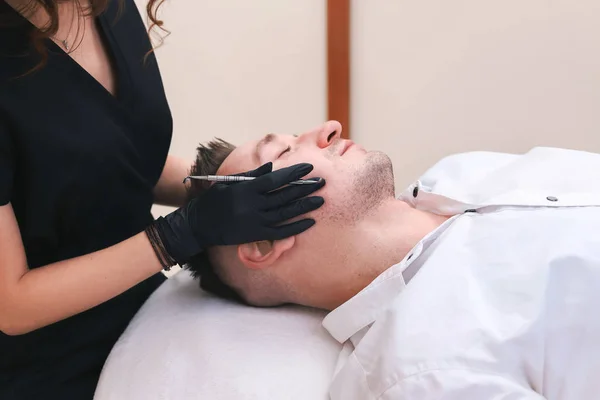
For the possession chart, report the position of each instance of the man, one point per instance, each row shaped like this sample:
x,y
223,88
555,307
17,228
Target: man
x,y
479,282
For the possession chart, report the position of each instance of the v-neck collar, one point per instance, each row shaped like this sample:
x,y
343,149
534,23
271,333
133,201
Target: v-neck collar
x,y
120,68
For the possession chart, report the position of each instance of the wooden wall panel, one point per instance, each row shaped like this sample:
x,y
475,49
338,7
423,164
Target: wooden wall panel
x,y
338,63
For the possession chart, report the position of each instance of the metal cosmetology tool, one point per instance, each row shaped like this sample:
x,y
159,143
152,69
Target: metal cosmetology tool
x,y
236,178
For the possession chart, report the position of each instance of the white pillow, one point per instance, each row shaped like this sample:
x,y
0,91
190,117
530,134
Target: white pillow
x,y
187,344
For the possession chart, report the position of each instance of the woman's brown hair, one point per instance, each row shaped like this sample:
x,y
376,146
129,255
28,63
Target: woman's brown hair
x,y
96,7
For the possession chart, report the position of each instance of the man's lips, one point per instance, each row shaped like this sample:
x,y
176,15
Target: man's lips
x,y
346,146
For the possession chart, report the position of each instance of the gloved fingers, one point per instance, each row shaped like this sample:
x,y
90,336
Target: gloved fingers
x,y
293,210
280,177
285,231
291,193
260,171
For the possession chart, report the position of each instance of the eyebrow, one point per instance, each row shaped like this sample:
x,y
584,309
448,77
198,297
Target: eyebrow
x,y
264,141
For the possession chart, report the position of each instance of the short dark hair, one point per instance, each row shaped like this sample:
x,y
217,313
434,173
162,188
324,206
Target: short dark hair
x,y
209,158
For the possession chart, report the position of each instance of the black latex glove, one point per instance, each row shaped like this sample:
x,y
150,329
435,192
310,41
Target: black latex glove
x,y
242,212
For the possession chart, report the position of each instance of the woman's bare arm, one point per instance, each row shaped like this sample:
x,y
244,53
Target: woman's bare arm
x,y
31,299
170,190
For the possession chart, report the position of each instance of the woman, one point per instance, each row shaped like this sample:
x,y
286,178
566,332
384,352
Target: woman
x,y
84,134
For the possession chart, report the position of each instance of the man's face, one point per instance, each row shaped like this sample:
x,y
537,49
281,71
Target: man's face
x,y
357,181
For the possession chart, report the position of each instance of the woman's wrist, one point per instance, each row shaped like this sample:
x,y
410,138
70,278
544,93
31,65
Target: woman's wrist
x,y
158,246
175,236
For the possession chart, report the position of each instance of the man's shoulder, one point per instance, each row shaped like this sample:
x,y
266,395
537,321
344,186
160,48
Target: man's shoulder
x,y
476,166
468,160
465,167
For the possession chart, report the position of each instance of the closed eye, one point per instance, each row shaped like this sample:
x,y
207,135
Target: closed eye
x,y
285,151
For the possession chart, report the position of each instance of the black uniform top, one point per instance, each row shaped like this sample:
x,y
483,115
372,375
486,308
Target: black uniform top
x,y
78,166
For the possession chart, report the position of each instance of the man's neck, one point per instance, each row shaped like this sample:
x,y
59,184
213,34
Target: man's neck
x,y
379,241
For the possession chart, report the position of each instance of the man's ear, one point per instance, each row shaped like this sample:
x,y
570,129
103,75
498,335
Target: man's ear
x,y
263,254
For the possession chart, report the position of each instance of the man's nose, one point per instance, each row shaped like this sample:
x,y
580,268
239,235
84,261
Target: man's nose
x,y
323,135
328,132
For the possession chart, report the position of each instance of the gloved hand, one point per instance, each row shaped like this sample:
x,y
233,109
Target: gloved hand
x,y
241,212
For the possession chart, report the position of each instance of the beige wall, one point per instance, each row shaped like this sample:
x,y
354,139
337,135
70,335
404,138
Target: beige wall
x,y
429,77
239,68
433,77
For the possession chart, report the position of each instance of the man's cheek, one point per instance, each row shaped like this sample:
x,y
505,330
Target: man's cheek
x,y
317,172
322,211
278,164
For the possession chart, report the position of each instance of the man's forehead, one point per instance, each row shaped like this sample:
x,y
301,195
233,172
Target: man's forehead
x,y
241,159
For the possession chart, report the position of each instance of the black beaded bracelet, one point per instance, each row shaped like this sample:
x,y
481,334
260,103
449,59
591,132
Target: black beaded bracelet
x,y
161,253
